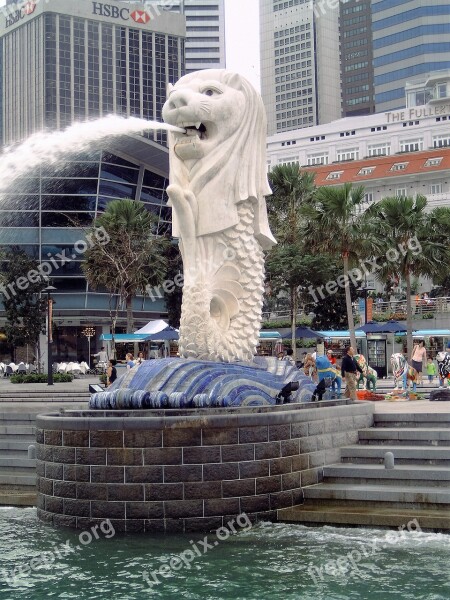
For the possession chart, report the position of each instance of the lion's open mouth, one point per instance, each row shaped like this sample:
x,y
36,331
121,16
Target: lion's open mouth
x,y
196,129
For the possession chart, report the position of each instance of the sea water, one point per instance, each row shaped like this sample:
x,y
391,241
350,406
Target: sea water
x,y
263,561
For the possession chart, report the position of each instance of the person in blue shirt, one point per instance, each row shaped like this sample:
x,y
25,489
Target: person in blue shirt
x,y
130,361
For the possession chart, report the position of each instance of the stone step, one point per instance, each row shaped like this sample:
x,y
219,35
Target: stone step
x,y
377,493
402,454
14,445
18,477
405,475
403,420
434,436
6,429
374,515
17,462
17,495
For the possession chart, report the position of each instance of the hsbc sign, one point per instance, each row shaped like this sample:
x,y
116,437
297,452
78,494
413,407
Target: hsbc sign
x,y
124,14
26,9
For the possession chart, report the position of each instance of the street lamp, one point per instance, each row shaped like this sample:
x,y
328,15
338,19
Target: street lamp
x,y
48,290
88,332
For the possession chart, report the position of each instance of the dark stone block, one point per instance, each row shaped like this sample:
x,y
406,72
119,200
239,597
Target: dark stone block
x,y
143,474
163,456
238,453
64,455
202,524
309,477
203,489
106,439
173,525
40,468
40,500
77,473
52,438
126,492
220,506
44,453
268,515
180,509
297,497
202,455
182,473
289,447
136,510
54,505
279,432
267,485
65,489
77,439
291,481
125,456
221,471
142,439
45,516
45,486
279,466
269,450
54,471
102,474
77,508
155,526
92,491
40,436
220,437
155,510
108,510
64,521
253,504
299,430
240,487
90,456
182,437
300,462
164,491
258,468
253,434
135,526
280,500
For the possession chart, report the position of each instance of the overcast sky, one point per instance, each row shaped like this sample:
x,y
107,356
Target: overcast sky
x,y
242,38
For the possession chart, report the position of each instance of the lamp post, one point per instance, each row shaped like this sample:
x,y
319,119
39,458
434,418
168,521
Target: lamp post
x,y
88,332
48,290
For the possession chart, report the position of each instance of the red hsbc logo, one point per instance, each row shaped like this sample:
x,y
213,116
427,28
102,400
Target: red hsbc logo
x,y
140,16
29,8
20,13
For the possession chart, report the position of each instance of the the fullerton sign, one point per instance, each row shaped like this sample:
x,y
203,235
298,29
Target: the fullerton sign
x,y
417,112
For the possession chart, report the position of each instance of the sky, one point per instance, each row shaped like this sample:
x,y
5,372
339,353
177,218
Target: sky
x,y
242,38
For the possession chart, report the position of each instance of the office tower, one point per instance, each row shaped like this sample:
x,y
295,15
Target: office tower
x,y
300,72
356,58
410,39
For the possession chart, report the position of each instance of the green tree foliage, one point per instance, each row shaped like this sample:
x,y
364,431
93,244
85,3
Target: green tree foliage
x,y
25,309
132,259
173,294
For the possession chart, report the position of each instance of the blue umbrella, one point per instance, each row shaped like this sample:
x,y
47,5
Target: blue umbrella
x,y
391,327
302,332
166,334
370,327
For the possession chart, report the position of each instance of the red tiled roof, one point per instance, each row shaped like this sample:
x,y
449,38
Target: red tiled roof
x,y
383,164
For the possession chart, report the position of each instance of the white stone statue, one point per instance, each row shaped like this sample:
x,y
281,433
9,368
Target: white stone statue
x,y
218,180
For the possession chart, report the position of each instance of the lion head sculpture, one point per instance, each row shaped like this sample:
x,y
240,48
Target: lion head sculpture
x,y
221,158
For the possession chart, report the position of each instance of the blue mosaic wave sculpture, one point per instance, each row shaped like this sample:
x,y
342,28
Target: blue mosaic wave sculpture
x,y
190,383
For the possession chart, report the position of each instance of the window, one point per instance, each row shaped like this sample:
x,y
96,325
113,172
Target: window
x,y
334,175
379,149
317,159
368,197
366,170
400,192
411,145
436,188
433,162
441,90
399,166
347,154
439,141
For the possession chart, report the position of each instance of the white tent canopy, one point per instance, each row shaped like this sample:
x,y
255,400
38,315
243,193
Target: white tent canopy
x,y
153,327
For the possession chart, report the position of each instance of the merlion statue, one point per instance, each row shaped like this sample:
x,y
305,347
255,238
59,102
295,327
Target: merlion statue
x,y
218,181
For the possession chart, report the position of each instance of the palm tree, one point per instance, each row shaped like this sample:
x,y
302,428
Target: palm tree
x,y
133,257
291,189
336,225
415,243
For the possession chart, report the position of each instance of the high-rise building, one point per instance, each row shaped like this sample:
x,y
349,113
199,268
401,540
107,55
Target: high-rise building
x,y
62,62
300,72
410,38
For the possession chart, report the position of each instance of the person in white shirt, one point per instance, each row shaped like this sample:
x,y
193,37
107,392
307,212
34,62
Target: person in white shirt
x,y
102,355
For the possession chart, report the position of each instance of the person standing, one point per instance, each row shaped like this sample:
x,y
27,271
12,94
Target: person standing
x,y
418,357
130,361
349,370
111,373
330,357
431,370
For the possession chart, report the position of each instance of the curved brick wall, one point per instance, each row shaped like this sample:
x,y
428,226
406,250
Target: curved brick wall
x,y
185,471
